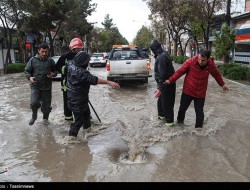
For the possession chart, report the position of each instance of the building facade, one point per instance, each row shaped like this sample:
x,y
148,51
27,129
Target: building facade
x,y
241,22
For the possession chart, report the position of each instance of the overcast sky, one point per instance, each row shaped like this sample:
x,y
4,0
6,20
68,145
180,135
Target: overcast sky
x,y
238,6
127,15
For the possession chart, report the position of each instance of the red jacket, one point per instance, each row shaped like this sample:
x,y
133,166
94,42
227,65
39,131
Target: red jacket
x,y
196,80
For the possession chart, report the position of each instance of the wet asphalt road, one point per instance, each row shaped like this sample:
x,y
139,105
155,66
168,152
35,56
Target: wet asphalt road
x,y
128,145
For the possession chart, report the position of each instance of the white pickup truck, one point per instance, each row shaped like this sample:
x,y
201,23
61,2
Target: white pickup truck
x,y
126,63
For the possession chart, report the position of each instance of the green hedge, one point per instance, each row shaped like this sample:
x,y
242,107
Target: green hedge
x,y
179,59
15,68
235,71
232,71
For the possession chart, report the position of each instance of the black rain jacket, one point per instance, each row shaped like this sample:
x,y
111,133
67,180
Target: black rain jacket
x,y
163,68
79,79
61,67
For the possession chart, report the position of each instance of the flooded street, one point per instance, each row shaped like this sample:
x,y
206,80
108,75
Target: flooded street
x,y
129,144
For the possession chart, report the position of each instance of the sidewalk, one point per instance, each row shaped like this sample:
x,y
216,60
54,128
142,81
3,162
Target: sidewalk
x,y
217,62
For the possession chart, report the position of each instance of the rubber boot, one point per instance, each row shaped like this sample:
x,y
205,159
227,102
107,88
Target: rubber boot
x,y
45,119
34,117
46,116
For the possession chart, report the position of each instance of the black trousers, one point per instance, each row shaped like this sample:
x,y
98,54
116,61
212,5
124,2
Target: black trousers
x,y
165,103
198,106
82,118
67,110
41,98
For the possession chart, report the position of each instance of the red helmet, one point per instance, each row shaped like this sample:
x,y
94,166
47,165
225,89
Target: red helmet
x,y
75,43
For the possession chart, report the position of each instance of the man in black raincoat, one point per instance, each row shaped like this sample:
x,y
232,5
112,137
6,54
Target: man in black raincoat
x,y
75,46
163,69
79,80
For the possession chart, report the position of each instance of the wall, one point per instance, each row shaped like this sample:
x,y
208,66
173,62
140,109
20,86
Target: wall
x,y
239,23
247,5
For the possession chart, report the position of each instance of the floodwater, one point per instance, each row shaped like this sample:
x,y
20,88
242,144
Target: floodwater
x,y
129,145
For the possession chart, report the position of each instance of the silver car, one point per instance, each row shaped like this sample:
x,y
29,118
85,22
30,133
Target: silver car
x,y
98,59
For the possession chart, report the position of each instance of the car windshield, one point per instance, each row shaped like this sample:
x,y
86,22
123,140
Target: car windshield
x,y
97,55
125,54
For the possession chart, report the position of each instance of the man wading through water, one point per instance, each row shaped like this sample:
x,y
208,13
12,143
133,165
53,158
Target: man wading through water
x,y
196,70
79,80
39,71
165,93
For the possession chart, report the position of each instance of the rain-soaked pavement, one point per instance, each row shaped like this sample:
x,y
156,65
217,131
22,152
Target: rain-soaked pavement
x,y
129,144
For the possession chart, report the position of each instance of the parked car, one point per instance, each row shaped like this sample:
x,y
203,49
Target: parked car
x,y
106,54
55,58
98,59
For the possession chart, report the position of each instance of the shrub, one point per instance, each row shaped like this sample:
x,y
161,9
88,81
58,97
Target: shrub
x,y
15,68
180,59
235,71
225,68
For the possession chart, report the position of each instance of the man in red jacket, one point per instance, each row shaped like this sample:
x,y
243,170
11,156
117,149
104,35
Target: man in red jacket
x,y
197,70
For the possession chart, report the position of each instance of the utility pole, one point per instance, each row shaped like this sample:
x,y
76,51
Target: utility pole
x,y
228,13
228,21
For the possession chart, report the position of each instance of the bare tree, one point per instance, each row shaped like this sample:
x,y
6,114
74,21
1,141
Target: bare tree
x,y
9,16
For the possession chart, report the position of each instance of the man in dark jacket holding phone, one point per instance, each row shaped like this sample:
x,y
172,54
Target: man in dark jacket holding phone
x,y
39,71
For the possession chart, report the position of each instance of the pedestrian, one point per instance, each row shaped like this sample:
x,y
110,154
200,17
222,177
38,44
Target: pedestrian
x,y
145,53
75,46
163,69
39,71
79,80
197,70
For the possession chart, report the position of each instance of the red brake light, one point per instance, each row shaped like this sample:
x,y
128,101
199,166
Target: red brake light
x,y
108,67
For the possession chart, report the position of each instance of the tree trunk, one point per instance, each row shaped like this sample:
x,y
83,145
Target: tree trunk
x,y
8,56
51,42
226,59
21,43
228,14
